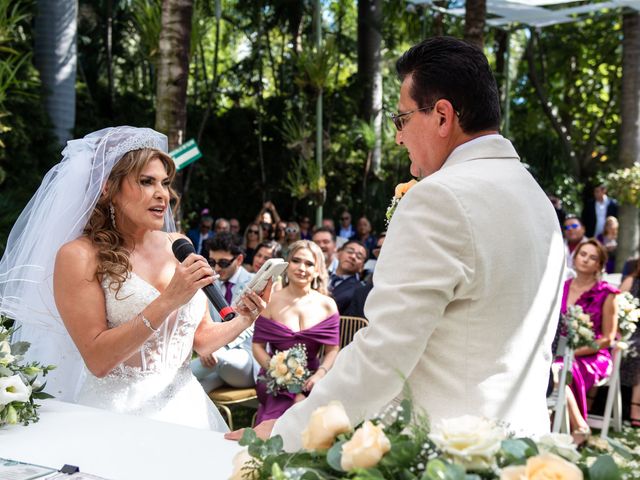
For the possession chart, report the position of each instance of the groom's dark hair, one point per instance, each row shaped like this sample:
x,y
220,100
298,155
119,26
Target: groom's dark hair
x,y
445,67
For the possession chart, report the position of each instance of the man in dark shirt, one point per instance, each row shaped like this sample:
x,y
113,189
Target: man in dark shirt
x,y
343,283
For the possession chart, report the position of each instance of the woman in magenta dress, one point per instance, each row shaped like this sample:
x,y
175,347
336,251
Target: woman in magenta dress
x,y
300,313
597,299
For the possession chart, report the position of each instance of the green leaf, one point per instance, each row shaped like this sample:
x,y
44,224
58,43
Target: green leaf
x,y
5,372
406,412
19,348
367,474
620,449
274,445
604,468
334,456
517,450
440,470
248,437
41,395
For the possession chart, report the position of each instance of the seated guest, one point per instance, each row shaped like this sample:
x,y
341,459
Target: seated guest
x,y
330,224
370,265
305,228
300,313
364,235
252,238
346,279
292,235
326,240
234,226
199,235
233,364
280,234
573,236
268,218
221,225
609,240
597,299
346,229
264,251
356,307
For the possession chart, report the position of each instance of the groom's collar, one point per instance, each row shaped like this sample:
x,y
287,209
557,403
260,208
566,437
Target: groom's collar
x,y
487,146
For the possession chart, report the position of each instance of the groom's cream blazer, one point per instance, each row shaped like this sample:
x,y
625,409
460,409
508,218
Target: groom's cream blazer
x,y
465,302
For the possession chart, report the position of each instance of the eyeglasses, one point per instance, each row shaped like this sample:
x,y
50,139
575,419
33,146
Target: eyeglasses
x,y
401,118
351,251
345,218
222,263
291,230
253,231
572,226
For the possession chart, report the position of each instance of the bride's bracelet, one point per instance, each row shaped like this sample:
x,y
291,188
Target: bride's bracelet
x,y
147,323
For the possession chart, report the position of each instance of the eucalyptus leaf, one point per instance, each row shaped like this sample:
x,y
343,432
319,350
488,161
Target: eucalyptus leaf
x,y
515,451
334,456
274,445
620,449
440,470
604,468
248,437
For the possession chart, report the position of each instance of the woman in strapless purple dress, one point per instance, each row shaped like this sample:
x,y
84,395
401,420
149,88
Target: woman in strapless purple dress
x,y
597,299
300,313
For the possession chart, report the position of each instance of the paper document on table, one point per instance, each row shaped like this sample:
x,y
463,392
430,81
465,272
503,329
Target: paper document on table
x,y
12,470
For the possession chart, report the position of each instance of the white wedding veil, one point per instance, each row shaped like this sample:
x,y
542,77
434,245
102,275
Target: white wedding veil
x,y
57,214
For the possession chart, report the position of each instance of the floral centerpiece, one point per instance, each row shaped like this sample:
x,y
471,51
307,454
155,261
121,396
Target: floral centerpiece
x,y
628,314
18,381
578,328
287,371
400,445
401,190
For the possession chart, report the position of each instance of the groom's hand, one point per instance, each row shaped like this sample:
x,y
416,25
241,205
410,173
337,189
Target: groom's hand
x,y
263,431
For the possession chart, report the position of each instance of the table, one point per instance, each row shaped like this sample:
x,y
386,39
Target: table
x,y
118,447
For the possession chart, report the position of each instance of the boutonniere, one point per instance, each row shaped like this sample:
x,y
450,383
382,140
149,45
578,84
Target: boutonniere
x,y
401,190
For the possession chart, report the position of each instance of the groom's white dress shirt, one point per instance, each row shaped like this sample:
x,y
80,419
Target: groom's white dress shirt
x,y
465,303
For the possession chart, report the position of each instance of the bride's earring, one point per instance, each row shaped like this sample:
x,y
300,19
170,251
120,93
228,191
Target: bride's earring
x,y
314,283
112,214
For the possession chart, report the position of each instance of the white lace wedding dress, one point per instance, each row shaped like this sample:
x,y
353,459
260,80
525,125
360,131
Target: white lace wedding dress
x,y
156,382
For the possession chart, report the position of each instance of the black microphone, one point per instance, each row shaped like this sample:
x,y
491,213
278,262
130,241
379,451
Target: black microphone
x,y
182,248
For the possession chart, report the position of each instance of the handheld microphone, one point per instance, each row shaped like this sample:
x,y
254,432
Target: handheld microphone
x,y
182,248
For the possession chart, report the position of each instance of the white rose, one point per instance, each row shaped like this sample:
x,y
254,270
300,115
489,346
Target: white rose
x,y
13,389
292,363
366,448
585,332
469,441
324,425
241,460
560,444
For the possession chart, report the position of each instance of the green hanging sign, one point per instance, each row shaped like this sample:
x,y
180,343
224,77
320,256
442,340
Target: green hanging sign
x,y
186,154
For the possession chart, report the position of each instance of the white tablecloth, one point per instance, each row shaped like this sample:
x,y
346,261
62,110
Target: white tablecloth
x,y
117,447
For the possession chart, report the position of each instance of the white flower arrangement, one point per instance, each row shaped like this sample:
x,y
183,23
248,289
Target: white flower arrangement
x,y
628,315
287,371
18,381
578,328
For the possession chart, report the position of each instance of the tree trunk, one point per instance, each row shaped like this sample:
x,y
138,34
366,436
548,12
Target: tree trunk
x,y
173,71
629,131
56,58
474,21
370,71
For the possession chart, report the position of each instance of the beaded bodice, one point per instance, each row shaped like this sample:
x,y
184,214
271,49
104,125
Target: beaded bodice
x,y
167,349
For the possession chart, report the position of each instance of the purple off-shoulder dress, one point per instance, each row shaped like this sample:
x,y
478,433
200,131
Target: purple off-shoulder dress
x,y
280,337
590,369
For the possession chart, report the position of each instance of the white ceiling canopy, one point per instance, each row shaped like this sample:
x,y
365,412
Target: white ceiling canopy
x,y
510,14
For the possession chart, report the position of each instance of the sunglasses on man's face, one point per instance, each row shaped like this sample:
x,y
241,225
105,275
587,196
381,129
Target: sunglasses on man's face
x,y
572,226
222,263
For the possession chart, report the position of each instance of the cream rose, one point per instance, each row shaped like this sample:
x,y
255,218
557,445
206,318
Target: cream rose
x,y
324,425
543,467
365,449
469,441
560,444
13,389
240,460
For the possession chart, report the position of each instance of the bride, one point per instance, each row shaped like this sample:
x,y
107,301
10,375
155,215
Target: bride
x,y
132,310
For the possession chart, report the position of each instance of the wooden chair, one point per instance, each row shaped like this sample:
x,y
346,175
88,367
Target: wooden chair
x,y
348,328
225,396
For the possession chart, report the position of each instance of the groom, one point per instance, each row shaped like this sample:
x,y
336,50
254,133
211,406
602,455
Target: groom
x,y
467,285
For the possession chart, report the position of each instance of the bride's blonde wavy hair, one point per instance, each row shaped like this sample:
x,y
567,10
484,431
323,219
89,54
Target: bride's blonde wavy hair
x,y
113,257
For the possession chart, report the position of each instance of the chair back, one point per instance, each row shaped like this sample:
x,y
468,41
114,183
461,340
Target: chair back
x,y
348,328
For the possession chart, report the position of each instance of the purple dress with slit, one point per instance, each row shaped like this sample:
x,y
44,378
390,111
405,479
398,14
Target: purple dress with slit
x,y
588,370
279,337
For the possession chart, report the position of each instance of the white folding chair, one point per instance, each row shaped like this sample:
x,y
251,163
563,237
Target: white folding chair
x,y
558,400
613,406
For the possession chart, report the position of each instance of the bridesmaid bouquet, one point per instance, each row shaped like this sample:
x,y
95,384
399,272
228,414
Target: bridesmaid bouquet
x,y
287,371
578,328
628,314
18,386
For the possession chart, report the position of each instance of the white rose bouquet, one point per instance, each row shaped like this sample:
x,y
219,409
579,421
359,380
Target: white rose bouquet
x,y
578,328
18,386
400,445
628,314
287,371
